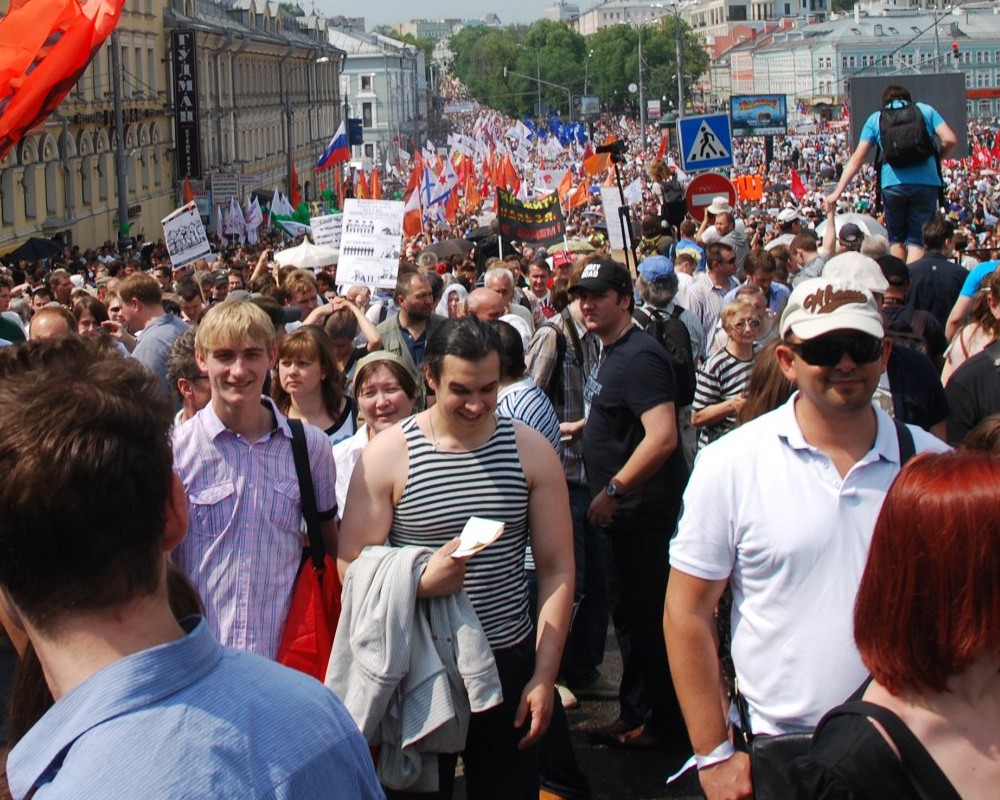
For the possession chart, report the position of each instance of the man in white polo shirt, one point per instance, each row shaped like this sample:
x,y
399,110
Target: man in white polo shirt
x,y
782,510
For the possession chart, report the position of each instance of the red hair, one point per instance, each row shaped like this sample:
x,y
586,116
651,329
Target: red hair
x,y
929,600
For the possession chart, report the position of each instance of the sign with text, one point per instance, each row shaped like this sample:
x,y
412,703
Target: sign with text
x,y
327,229
612,202
539,222
225,186
371,240
759,114
185,86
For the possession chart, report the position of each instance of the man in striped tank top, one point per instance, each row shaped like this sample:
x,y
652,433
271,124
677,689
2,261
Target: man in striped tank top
x,y
417,484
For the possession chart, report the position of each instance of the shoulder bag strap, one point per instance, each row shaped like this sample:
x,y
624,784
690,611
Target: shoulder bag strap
x,y
907,448
303,472
924,773
570,325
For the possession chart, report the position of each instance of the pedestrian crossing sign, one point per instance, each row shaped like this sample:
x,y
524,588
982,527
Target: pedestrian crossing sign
x,y
706,142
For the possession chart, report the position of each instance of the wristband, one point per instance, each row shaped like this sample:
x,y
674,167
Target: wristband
x,y
723,752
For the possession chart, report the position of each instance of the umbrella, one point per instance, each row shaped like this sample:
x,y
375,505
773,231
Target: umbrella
x,y
579,246
447,248
866,222
307,256
34,249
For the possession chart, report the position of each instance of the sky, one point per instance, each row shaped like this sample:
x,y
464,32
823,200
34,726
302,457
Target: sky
x,y
388,12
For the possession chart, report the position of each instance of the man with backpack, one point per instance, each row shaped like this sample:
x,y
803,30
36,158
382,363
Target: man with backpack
x,y
678,330
909,166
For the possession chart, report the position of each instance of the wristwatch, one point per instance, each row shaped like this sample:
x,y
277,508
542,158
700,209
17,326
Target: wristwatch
x,y
613,489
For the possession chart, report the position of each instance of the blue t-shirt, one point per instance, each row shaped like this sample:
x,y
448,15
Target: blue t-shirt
x,y
976,276
924,174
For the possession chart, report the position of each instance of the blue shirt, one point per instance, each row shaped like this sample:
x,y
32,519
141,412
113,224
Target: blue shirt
x,y
924,174
190,719
976,276
154,345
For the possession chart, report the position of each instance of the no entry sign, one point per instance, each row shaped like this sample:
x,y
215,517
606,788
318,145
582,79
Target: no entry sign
x,y
704,188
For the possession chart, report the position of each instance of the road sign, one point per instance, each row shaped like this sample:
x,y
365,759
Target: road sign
x,y
704,188
706,142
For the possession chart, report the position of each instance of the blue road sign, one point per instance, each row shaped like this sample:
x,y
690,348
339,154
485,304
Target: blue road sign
x,y
706,142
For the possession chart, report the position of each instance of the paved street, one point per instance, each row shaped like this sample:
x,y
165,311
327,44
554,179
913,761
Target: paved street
x,y
620,774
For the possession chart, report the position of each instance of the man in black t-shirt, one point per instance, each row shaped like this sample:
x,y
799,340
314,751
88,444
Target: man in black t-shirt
x,y
973,393
636,475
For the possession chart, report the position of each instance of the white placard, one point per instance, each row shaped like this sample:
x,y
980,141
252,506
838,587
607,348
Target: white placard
x,y
185,235
326,229
224,186
612,201
370,242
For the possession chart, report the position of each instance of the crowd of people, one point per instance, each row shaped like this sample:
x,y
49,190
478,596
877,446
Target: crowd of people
x,y
736,449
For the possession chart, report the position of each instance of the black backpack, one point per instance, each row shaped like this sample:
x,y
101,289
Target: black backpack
x,y
671,332
905,140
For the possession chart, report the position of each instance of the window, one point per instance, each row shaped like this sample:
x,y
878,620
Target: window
x,y
366,83
366,115
369,151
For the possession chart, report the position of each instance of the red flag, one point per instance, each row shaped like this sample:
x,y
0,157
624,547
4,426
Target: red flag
x,y
798,189
188,191
45,46
338,187
663,147
294,195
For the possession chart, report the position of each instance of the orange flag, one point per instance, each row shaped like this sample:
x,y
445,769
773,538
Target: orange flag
x,y
45,45
361,190
412,218
295,196
472,196
188,191
451,206
597,163
663,147
338,187
578,196
562,190
376,185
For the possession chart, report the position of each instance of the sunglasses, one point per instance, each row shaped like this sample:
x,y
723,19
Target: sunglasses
x,y
828,350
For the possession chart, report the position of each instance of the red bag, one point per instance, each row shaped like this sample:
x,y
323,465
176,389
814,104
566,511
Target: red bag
x,y
307,638
312,619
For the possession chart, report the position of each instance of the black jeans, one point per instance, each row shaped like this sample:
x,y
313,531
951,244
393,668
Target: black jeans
x,y
639,549
494,768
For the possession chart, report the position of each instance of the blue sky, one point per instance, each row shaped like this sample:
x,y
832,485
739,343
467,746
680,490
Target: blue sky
x,y
387,12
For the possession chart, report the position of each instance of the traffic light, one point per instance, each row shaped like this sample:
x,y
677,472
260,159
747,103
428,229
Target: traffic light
x,y
954,50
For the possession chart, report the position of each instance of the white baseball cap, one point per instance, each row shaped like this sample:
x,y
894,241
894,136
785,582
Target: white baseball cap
x,y
861,270
822,305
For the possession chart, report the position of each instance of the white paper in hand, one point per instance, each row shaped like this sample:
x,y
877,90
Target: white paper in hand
x,y
477,534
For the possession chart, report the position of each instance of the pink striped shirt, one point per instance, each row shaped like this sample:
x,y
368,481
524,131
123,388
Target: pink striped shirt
x,y
245,529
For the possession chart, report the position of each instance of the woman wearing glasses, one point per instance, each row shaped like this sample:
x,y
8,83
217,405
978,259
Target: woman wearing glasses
x,y
722,380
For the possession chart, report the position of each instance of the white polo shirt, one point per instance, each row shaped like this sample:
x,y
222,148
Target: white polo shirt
x,y
771,513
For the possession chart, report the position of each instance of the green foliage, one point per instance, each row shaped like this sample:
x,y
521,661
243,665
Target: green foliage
x,y
841,6
427,45
603,64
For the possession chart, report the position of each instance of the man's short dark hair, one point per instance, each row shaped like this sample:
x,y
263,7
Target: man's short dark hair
x,y
803,242
895,92
142,287
713,253
466,338
189,291
181,362
936,231
404,280
79,424
760,261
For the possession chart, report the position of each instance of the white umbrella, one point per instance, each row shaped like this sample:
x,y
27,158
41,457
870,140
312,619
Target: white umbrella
x,y
867,223
307,256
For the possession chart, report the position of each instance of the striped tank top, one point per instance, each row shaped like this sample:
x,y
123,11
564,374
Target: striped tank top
x,y
442,491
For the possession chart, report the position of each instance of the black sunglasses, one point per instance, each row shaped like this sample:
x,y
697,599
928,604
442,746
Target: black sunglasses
x,y
827,351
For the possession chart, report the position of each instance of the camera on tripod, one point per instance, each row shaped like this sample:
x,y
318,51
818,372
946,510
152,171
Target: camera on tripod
x,y
616,150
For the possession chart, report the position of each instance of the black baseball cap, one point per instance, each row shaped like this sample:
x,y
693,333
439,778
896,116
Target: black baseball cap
x,y
602,275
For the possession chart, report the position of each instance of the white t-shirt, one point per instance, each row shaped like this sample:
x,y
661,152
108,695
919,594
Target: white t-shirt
x,y
771,513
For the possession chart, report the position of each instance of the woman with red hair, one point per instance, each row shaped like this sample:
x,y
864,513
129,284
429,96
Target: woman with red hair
x,y
927,624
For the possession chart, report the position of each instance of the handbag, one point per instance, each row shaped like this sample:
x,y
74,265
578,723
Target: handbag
x,y
770,756
925,775
307,638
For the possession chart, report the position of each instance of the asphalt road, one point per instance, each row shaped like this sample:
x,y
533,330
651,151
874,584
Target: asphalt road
x,y
616,774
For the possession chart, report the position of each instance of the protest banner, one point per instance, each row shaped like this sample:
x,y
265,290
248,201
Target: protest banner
x,y
326,229
185,235
538,222
370,242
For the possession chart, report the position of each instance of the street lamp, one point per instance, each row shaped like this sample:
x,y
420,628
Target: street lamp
x,y
678,44
540,82
586,70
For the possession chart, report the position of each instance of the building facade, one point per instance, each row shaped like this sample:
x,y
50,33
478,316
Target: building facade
x,y
240,90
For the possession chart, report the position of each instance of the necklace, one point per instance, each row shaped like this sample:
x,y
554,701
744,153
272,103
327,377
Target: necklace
x,y
434,438
604,347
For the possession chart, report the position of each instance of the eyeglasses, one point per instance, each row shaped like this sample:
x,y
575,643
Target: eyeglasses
x,y
752,323
827,351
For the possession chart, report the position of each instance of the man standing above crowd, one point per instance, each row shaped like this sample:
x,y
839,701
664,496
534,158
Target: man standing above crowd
x,y
142,309
793,567
235,460
636,473
725,228
909,177
87,578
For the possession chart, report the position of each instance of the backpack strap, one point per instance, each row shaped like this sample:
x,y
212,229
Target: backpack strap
x,y
300,452
570,325
924,773
907,448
